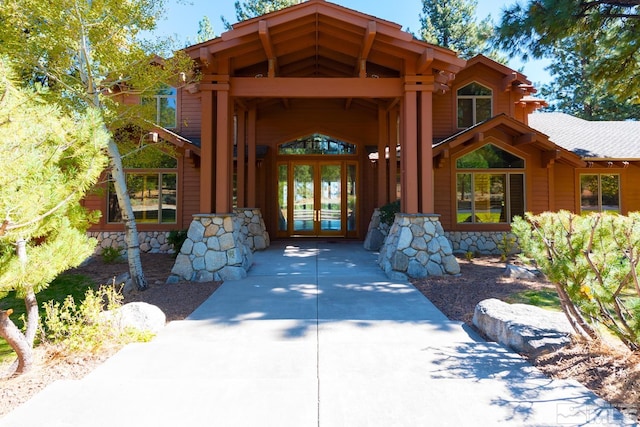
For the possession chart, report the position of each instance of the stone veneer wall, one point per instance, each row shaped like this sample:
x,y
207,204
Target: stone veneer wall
x,y
462,242
150,241
214,250
417,247
253,228
483,242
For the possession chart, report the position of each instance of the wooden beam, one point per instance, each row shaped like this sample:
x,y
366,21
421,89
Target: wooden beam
x,y
223,154
383,142
425,60
207,151
301,87
507,81
347,103
240,158
267,45
526,138
409,155
367,43
251,158
426,153
549,157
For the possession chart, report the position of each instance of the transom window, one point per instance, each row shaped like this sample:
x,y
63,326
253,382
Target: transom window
x,y
474,104
489,187
317,144
164,103
152,181
600,192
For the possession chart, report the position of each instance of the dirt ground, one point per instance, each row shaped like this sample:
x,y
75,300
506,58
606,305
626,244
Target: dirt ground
x,y
613,373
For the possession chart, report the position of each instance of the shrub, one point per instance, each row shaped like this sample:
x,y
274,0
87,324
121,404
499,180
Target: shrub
x,y
111,255
176,239
81,328
388,212
593,261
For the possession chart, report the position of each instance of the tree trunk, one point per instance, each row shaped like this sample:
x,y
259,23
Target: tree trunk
x,y
10,332
30,301
130,229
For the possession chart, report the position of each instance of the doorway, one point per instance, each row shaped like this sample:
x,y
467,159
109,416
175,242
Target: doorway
x,y
317,198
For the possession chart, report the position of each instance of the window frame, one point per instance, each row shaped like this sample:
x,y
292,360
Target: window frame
x,y
157,100
159,173
474,172
599,207
474,106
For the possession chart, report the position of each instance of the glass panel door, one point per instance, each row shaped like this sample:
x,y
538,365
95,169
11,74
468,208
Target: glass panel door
x,y
316,198
304,212
331,198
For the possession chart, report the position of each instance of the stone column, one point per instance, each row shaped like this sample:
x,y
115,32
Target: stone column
x,y
376,233
416,247
253,229
214,250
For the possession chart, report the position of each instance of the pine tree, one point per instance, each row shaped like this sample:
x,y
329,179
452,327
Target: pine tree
x,y
252,8
49,161
612,28
453,24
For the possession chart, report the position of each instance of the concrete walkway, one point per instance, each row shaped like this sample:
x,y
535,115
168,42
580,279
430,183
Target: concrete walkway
x,y
315,336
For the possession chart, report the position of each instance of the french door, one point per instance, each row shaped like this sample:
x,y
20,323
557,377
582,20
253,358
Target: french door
x,y
317,198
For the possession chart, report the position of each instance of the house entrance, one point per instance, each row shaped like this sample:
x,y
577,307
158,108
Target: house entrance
x,y
316,197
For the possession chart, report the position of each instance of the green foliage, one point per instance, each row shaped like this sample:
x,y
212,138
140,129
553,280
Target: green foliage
x,y
610,28
507,246
73,327
176,239
49,161
453,24
545,298
66,284
594,262
573,93
388,212
111,255
252,8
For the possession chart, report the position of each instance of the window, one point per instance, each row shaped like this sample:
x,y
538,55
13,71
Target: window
x,y
164,103
474,104
317,144
484,192
600,193
153,190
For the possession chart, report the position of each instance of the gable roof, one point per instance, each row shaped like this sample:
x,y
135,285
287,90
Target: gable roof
x,y
514,132
319,38
611,140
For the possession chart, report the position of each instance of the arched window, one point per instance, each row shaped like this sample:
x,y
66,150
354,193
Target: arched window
x,y
474,104
317,144
489,186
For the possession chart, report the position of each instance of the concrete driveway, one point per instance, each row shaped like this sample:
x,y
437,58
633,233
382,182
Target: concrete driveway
x,y
315,336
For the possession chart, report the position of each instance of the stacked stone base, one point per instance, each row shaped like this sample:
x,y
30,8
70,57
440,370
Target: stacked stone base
x,y
377,232
253,228
150,241
215,249
417,247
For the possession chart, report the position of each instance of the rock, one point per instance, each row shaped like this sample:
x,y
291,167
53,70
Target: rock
x,y
519,272
524,328
124,280
137,315
374,240
173,279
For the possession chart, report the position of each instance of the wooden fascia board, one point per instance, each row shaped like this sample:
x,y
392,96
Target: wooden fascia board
x,y
303,87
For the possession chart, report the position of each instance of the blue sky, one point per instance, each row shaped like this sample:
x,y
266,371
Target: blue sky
x,y
183,17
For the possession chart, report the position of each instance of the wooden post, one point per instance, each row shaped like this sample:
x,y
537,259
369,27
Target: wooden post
x,y
409,154
426,155
223,154
251,160
393,154
207,154
383,141
241,148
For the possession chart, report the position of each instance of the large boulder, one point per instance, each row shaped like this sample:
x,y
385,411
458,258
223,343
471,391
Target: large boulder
x,y
138,315
525,328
